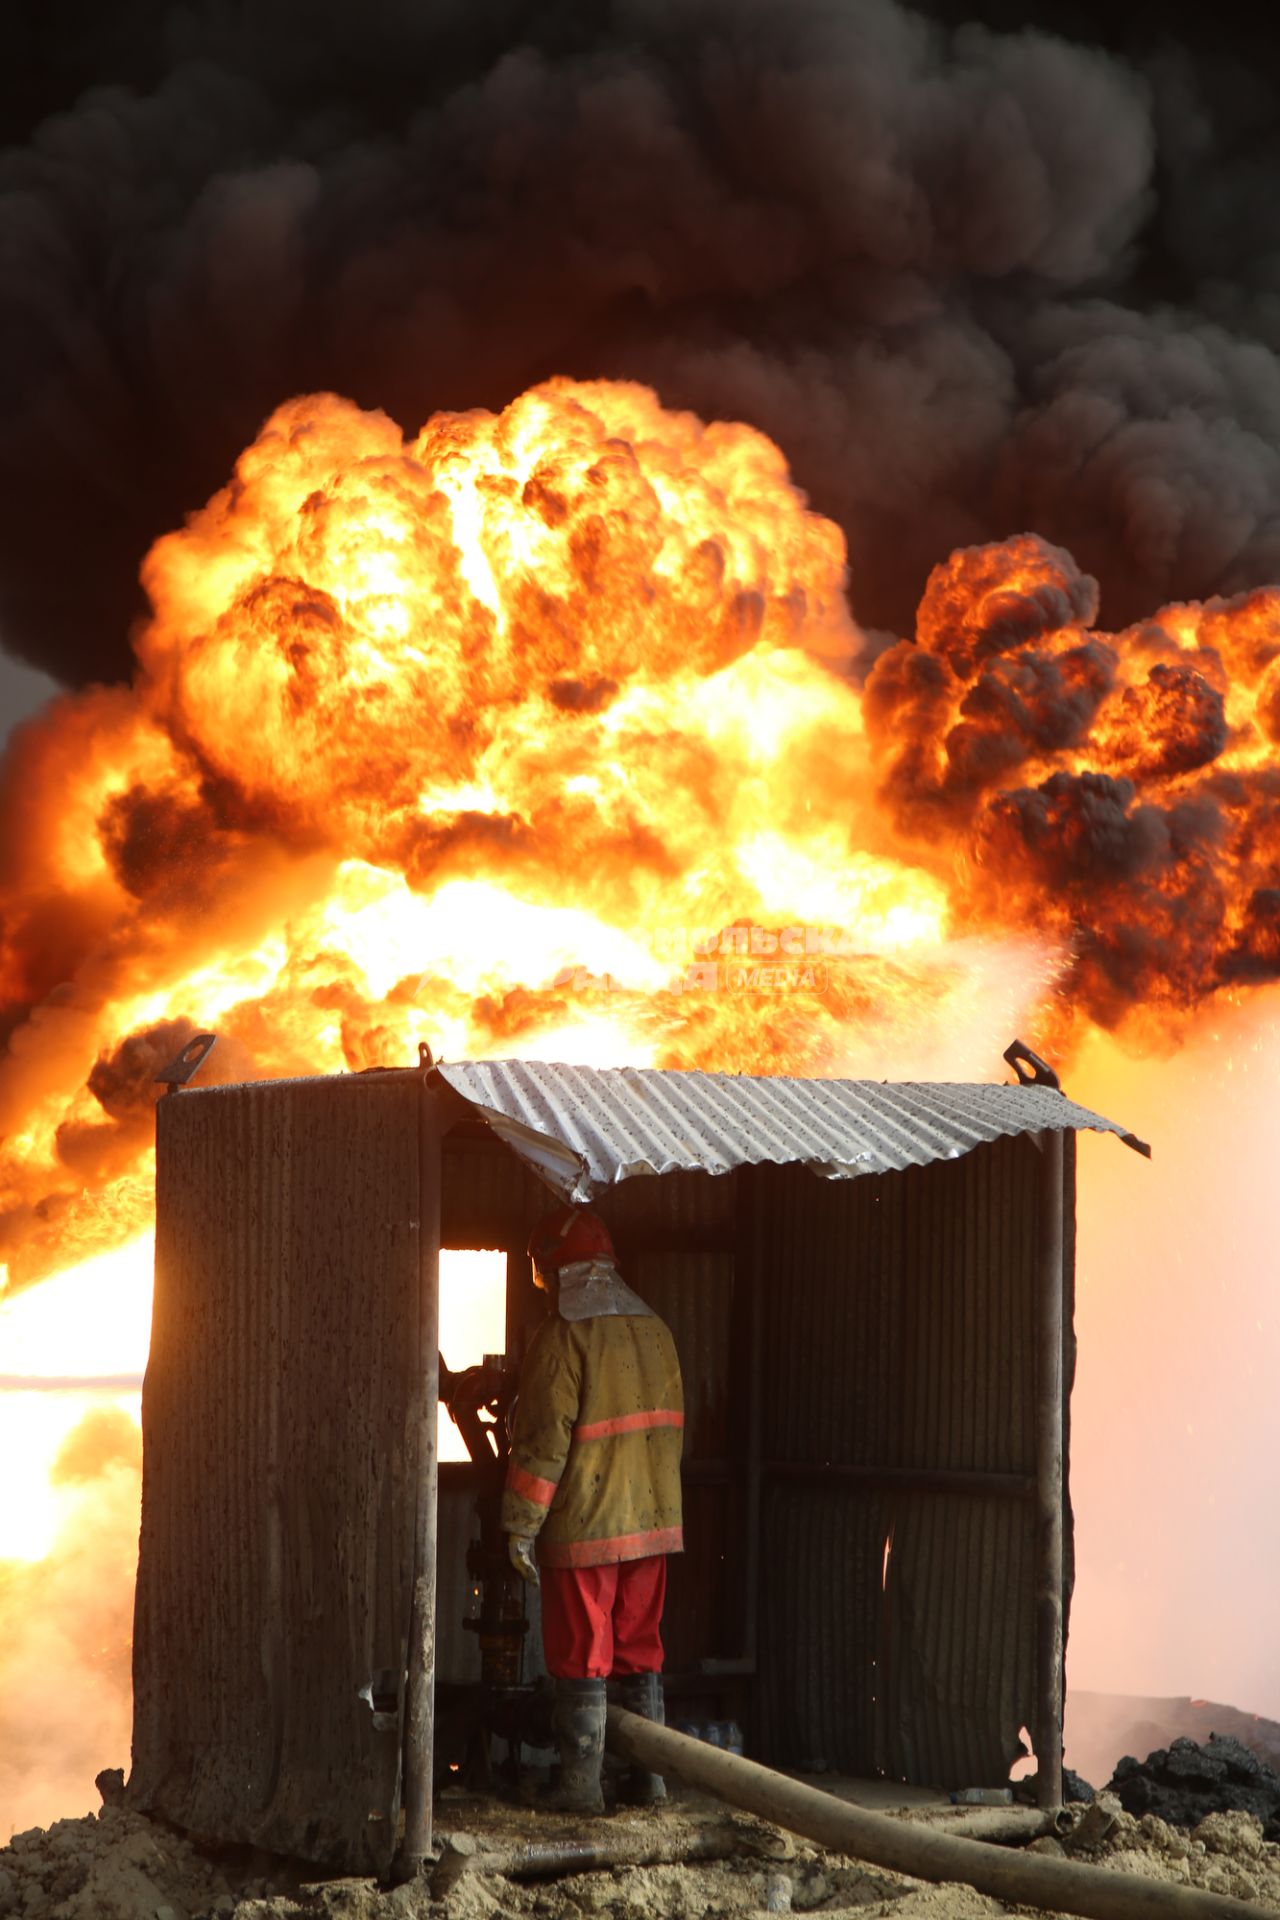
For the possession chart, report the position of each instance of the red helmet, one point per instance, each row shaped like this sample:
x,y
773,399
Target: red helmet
x,y
566,1235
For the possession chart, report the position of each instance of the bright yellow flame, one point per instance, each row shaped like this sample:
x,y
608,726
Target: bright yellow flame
x,y
34,1427
473,1320
469,738
475,933
817,880
91,1320
90,1323
588,1040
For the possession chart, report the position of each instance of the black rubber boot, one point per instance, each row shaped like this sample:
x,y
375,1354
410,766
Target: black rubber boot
x,y
642,1693
577,1720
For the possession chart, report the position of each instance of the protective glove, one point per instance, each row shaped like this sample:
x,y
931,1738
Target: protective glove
x,y
520,1548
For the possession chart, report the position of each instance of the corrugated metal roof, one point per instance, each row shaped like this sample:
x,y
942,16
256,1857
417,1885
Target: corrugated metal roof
x,y
586,1128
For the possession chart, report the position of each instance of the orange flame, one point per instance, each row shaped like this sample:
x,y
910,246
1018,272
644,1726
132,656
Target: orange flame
x,y
533,734
551,733
544,733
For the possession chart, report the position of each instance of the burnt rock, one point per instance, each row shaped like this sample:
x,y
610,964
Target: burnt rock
x,y
110,1785
1074,1788
1185,1781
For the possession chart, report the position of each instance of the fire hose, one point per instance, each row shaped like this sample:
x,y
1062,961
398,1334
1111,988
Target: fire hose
x,y
1061,1886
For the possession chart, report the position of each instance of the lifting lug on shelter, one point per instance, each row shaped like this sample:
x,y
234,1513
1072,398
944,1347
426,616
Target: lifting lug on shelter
x,y
193,1056
1016,1055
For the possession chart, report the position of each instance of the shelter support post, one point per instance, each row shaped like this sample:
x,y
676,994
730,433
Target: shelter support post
x,y
419,1704
1050,1476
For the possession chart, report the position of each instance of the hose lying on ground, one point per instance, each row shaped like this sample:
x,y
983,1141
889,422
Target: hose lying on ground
x,y
1061,1886
464,1854
1008,1826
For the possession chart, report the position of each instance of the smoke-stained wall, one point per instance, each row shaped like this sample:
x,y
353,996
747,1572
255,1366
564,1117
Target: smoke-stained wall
x,y
972,281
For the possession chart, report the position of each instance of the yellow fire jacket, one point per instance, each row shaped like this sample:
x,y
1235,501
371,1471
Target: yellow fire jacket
x,y
595,1456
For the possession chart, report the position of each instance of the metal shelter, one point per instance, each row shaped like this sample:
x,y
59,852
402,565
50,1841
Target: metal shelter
x,y
870,1285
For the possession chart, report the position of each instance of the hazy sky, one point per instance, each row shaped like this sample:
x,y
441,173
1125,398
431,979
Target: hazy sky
x,y
22,690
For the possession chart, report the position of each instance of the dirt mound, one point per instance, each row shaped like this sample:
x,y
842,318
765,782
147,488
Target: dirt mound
x,y
121,1866
1184,1782
1224,1853
109,1866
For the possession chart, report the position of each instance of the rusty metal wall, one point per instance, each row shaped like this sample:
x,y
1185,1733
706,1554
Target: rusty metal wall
x,y
960,1612
277,1519
897,1597
829,1260
895,1607
487,1198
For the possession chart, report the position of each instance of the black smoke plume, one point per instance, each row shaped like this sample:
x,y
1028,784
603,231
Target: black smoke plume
x,y
971,280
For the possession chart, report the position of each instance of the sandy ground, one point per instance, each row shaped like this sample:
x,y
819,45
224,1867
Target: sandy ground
x,y
119,1866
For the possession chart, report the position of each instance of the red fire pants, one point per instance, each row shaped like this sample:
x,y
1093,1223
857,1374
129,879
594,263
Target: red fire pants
x,y
598,1621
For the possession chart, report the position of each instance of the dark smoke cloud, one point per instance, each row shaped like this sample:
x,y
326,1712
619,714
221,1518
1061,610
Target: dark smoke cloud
x,y
1174,724
124,1087
1138,880
1219,132
124,1082
1095,781
976,695
971,281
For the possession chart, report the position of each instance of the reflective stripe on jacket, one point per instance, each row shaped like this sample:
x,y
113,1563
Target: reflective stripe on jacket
x,y
595,1457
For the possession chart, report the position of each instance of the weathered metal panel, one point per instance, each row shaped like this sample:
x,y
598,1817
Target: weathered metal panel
x,y
488,1197
831,1260
902,1346
816,1692
959,1615
277,1519
588,1128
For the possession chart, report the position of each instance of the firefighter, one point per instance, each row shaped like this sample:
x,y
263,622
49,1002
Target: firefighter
x,y
594,1480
